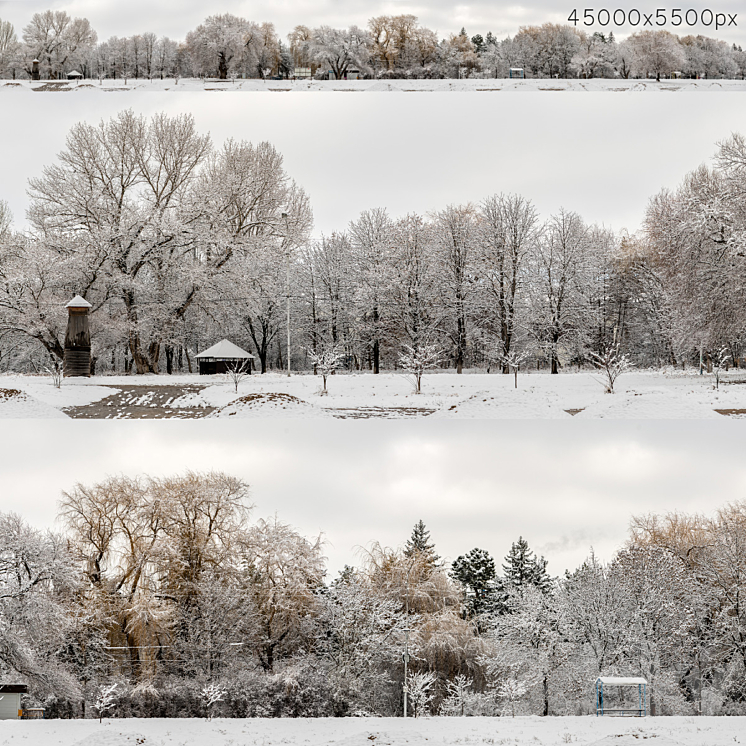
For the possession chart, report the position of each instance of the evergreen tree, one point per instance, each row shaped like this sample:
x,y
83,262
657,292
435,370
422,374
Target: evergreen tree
x,y
478,42
476,572
523,568
419,544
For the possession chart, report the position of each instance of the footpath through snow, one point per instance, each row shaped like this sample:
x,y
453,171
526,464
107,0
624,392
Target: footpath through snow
x,y
519,731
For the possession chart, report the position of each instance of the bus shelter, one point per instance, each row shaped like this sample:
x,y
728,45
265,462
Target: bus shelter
x,y
624,696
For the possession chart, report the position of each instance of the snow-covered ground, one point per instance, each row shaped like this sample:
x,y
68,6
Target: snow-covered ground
x,y
481,84
519,731
639,395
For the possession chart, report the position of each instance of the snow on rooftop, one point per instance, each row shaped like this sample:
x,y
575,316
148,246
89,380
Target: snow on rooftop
x,y
78,302
622,680
225,350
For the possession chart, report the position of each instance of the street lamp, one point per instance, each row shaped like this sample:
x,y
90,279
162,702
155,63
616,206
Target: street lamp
x,y
287,284
405,657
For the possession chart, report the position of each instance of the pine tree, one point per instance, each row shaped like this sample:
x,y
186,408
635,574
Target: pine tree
x,y
476,572
523,568
419,544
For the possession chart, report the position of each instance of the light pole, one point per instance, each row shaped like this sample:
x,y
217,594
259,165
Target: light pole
x,y
405,657
287,285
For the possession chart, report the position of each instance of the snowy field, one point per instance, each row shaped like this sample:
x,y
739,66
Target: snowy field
x,y
638,395
481,84
519,731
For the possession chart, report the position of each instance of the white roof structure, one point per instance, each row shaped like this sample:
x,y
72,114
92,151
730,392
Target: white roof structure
x,y
225,350
622,680
78,302
74,74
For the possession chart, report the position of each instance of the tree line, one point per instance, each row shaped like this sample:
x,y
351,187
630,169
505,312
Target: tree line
x,y
389,46
178,242
163,597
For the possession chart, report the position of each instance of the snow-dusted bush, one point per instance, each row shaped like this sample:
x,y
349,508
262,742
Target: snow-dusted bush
x,y
612,363
416,359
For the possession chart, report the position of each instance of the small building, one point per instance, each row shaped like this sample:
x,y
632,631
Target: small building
x,y
74,75
10,700
223,357
624,696
516,72
77,355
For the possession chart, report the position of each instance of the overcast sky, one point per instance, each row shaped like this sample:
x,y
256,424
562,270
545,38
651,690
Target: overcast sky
x,y
175,18
566,487
600,154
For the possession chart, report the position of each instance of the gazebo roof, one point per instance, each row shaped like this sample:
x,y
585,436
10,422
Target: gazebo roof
x,y
13,688
78,302
74,74
622,680
225,350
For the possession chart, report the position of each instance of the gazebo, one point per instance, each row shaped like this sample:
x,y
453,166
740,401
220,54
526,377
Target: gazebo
x,y
74,75
222,358
611,700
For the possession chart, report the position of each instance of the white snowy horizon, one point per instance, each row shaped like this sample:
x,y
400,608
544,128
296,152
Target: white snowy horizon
x,y
566,488
175,19
603,155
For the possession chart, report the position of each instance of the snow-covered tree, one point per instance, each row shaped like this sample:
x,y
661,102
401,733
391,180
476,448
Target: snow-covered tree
x,y
455,240
338,50
420,547
559,283
284,572
106,700
522,568
508,233
419,691
475,570
212,694
37,574
10,49
612,363
655,53
326,360
57,41
416,360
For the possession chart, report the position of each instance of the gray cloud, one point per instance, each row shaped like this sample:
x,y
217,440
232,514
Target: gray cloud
x,y
175,18
563,486
600,154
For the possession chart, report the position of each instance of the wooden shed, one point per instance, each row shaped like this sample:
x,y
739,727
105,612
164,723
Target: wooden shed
x,y
222,357
77,355
10,700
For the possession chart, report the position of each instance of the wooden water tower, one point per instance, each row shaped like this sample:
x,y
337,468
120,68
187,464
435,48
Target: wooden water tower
x,y
77,359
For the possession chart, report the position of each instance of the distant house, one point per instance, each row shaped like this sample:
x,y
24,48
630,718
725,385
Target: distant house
x,y
222,357
10,700
516,72
74,75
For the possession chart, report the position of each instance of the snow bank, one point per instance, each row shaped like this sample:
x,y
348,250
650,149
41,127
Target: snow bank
x,y
15,404
476,395
653,404
518,731
93,87
269,405
117,738
521,404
